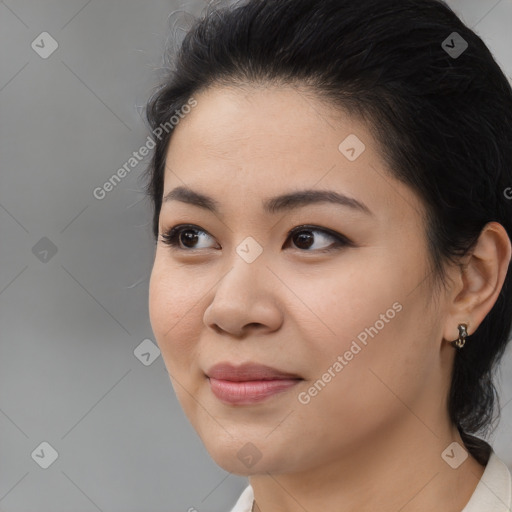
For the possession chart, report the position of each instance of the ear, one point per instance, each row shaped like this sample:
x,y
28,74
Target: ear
x,y
480,280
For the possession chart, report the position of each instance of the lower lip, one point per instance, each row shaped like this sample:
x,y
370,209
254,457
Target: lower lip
x,y
248,392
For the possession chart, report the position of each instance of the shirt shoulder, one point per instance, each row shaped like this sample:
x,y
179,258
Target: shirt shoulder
x,y
244,503
494,490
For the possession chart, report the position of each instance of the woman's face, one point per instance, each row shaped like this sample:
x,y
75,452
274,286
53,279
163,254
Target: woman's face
x,y
353,320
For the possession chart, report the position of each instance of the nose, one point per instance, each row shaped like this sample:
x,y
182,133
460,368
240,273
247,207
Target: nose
x,y
245,299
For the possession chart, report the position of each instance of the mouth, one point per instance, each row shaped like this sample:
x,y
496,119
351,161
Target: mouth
x,y
249,383
249,392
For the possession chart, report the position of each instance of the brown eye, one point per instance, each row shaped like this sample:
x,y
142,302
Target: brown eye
x,y
305,237
184,237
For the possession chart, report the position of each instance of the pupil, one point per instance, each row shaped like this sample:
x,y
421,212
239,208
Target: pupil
x,y
189,235
303,238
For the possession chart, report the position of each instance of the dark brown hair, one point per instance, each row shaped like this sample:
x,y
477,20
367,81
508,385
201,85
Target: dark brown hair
x,y
443,122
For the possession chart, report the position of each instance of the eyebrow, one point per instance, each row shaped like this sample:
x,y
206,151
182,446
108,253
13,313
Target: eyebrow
x,y
273,205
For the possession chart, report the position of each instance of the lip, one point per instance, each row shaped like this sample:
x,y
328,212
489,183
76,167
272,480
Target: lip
x,y
248,372
249,392
249,383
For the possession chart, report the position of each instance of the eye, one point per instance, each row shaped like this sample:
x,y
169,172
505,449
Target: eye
x,y
184,237
303,237
184,234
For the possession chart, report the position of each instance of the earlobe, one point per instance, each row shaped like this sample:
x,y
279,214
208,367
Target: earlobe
x,y
482,277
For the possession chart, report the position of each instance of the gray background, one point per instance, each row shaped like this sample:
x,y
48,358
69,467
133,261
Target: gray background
x,y
71,321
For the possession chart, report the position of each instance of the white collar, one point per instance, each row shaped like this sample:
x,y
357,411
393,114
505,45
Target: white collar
x,y
492,494
494,490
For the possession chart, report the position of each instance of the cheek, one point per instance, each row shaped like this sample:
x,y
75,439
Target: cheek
x,y
366,318
381,360
356,389
174,312
339,303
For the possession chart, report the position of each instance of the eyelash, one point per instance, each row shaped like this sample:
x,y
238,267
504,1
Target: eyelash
x,y
171,237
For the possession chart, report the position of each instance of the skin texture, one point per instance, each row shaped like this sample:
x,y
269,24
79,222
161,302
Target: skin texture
x,y
372,438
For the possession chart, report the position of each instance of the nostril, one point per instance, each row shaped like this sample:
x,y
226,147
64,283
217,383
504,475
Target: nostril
x,y
253,324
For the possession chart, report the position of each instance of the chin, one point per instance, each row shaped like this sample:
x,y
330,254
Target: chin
x,y
242,458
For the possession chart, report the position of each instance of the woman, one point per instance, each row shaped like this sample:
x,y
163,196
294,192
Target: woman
x,y
331,290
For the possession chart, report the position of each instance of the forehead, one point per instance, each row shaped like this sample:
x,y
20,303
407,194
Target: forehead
x,y
262,141
261,132
260,119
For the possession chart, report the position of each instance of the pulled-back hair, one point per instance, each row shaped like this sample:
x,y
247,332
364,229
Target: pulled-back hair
x,y
443,123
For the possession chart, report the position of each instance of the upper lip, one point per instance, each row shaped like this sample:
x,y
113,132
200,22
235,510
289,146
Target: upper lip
x,y
248,371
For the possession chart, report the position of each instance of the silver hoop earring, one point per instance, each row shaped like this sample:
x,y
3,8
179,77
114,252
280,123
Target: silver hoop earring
x,y
463,333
